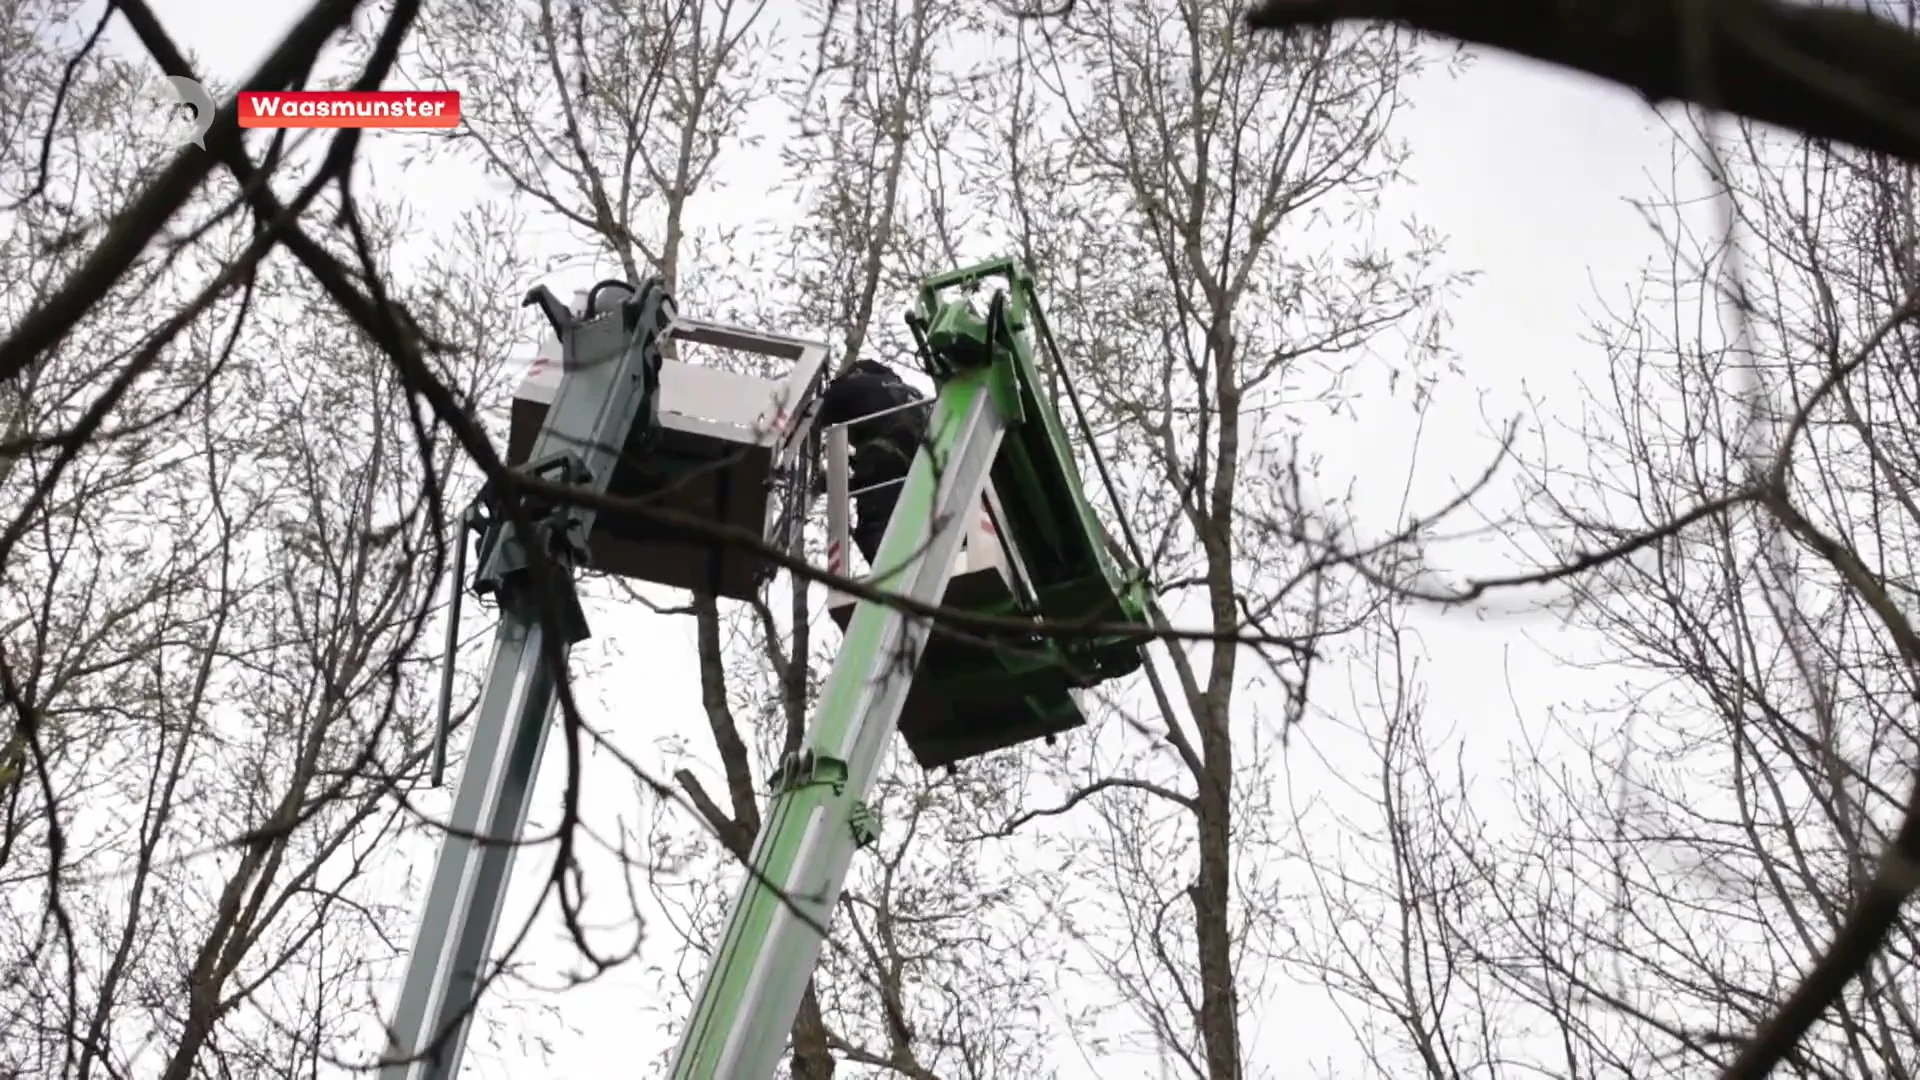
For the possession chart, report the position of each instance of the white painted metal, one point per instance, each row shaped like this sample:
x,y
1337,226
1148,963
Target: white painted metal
x,y
736,435
703,400
980,567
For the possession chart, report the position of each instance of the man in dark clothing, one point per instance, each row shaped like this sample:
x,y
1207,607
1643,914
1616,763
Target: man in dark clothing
x,y
882,447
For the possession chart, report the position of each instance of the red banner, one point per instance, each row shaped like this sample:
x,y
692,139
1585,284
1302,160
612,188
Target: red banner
x,y
435,109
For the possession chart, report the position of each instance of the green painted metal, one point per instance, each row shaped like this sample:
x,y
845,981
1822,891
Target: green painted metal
x,y
1076,578
817,818
819,786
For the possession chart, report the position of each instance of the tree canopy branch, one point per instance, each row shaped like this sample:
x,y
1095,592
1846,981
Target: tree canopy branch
x,y
1833,73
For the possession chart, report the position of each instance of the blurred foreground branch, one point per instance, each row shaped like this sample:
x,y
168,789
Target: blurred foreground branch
x,y
1833,73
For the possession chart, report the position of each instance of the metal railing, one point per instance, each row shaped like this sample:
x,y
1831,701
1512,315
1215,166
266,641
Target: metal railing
x,y
840,493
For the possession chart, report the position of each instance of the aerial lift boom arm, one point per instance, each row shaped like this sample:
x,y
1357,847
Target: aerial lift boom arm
x,y
989,421
817,819
613,373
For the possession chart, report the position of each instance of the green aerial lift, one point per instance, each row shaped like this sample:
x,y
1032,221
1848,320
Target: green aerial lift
x,y
997,473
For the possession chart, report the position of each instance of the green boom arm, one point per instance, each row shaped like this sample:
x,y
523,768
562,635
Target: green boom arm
x,y
990,420
817,819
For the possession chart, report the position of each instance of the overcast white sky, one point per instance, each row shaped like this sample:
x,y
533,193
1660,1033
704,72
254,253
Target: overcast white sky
x,y
1527,171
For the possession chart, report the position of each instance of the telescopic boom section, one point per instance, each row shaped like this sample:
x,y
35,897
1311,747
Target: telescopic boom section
x,y
612,355
990,423
817,819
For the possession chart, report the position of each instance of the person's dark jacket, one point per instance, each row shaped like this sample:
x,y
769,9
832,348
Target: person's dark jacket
x,y
883,447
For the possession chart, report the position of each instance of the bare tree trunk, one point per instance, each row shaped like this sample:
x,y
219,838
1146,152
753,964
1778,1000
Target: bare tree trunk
x,y
1190,153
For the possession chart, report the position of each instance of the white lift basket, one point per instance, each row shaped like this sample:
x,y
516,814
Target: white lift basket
x,y
726,441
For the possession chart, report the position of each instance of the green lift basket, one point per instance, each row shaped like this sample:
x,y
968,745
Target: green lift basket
x,y
981,689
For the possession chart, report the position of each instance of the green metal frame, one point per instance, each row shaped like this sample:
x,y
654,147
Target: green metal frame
x,y
817,818
990,420
1076,578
